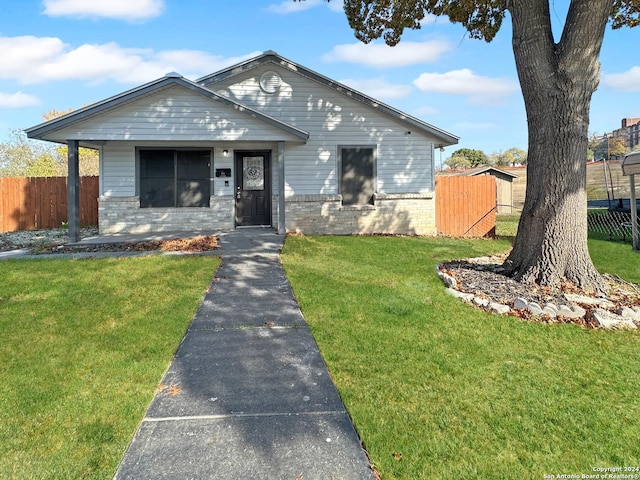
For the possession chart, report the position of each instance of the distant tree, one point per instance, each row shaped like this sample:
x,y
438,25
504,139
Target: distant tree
x,y
513,156
21,157
457,162
607,146
89,158
617,147
595,149
474,157
44,166
519,156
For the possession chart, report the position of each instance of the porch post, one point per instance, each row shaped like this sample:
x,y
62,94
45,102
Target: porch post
x,y
281,220
73,190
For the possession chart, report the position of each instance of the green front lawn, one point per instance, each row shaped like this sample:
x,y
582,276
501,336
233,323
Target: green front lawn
x,y
438,389
84,345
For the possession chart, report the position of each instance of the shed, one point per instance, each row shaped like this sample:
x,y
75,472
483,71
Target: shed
x,y
630,168
504,186
266,142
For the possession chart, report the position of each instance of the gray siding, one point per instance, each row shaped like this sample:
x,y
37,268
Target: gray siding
x,y
118,169
404,161
174,113
118,164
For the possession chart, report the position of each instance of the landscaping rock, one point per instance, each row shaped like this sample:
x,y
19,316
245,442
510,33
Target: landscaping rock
x,y
606,319
632,313
481,302
551,310
584,300
499,308
534,308
448,280
520,303
464,296
496,292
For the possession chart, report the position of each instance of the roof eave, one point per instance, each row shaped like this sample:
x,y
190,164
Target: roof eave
x,y
41,130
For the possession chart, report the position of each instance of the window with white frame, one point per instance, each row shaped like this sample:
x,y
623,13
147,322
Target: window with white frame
x,y
357,174
174,178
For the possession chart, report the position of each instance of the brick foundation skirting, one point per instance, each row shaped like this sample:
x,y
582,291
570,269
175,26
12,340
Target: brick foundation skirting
x,y
124,215
407,214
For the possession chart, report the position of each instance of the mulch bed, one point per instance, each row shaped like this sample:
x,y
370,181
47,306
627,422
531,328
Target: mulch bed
x,y
487,280
202,243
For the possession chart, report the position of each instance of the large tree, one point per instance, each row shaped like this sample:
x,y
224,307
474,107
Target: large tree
x,y
557,81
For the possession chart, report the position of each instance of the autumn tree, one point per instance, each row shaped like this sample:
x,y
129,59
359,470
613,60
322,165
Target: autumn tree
x,y
89,158
607,146
21,157
557,79
512,156
617,147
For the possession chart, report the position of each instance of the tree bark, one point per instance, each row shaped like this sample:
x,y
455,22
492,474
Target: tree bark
x,y
558,80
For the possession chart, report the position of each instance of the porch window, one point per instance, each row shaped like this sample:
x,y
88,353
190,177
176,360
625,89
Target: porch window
x,y
357,175
175,178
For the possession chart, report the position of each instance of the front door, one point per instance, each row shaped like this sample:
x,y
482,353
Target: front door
x,y
253,188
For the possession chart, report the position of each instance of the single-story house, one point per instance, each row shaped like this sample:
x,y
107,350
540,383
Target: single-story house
x,y
264,142
504,185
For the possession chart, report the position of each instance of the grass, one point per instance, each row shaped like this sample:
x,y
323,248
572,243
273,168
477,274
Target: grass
x,y
84,345
438,389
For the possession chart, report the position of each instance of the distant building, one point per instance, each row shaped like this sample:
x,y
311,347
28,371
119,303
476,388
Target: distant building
x,y
629,129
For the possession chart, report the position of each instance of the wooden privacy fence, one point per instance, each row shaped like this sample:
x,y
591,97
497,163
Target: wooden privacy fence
x,y
466,206
41,202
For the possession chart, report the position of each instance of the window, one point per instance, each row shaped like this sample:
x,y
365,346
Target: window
x,y
175,178
357,179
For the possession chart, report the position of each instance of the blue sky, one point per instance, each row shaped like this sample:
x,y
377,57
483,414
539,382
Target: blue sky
x,y
61,54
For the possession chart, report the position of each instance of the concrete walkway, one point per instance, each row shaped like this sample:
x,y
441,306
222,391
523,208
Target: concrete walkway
x,y
247,395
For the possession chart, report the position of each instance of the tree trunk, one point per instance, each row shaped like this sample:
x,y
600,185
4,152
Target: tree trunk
x,y
558,80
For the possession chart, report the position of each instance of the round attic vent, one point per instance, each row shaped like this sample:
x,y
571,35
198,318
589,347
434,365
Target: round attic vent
x,y
270,82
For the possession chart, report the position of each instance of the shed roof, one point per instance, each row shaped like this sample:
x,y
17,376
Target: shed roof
x,y
486,169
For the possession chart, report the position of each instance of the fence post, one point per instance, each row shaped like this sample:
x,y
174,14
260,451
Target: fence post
x,y
634,212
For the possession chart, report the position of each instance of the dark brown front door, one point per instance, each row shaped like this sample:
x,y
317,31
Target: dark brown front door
x,y
253,188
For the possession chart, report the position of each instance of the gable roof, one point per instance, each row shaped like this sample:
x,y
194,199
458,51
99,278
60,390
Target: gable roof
x,y
486,169
168,81
270,56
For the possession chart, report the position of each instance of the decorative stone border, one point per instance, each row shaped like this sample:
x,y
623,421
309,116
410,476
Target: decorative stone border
x,y
600,314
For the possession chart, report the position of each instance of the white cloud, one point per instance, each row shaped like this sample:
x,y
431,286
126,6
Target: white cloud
x,y
475,126
380,55
39,59
17,100
130,10
379,88
291,6
479,89
425,111
628,81
428,19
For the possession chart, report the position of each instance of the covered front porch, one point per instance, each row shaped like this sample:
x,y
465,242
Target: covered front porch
x,y
240,187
